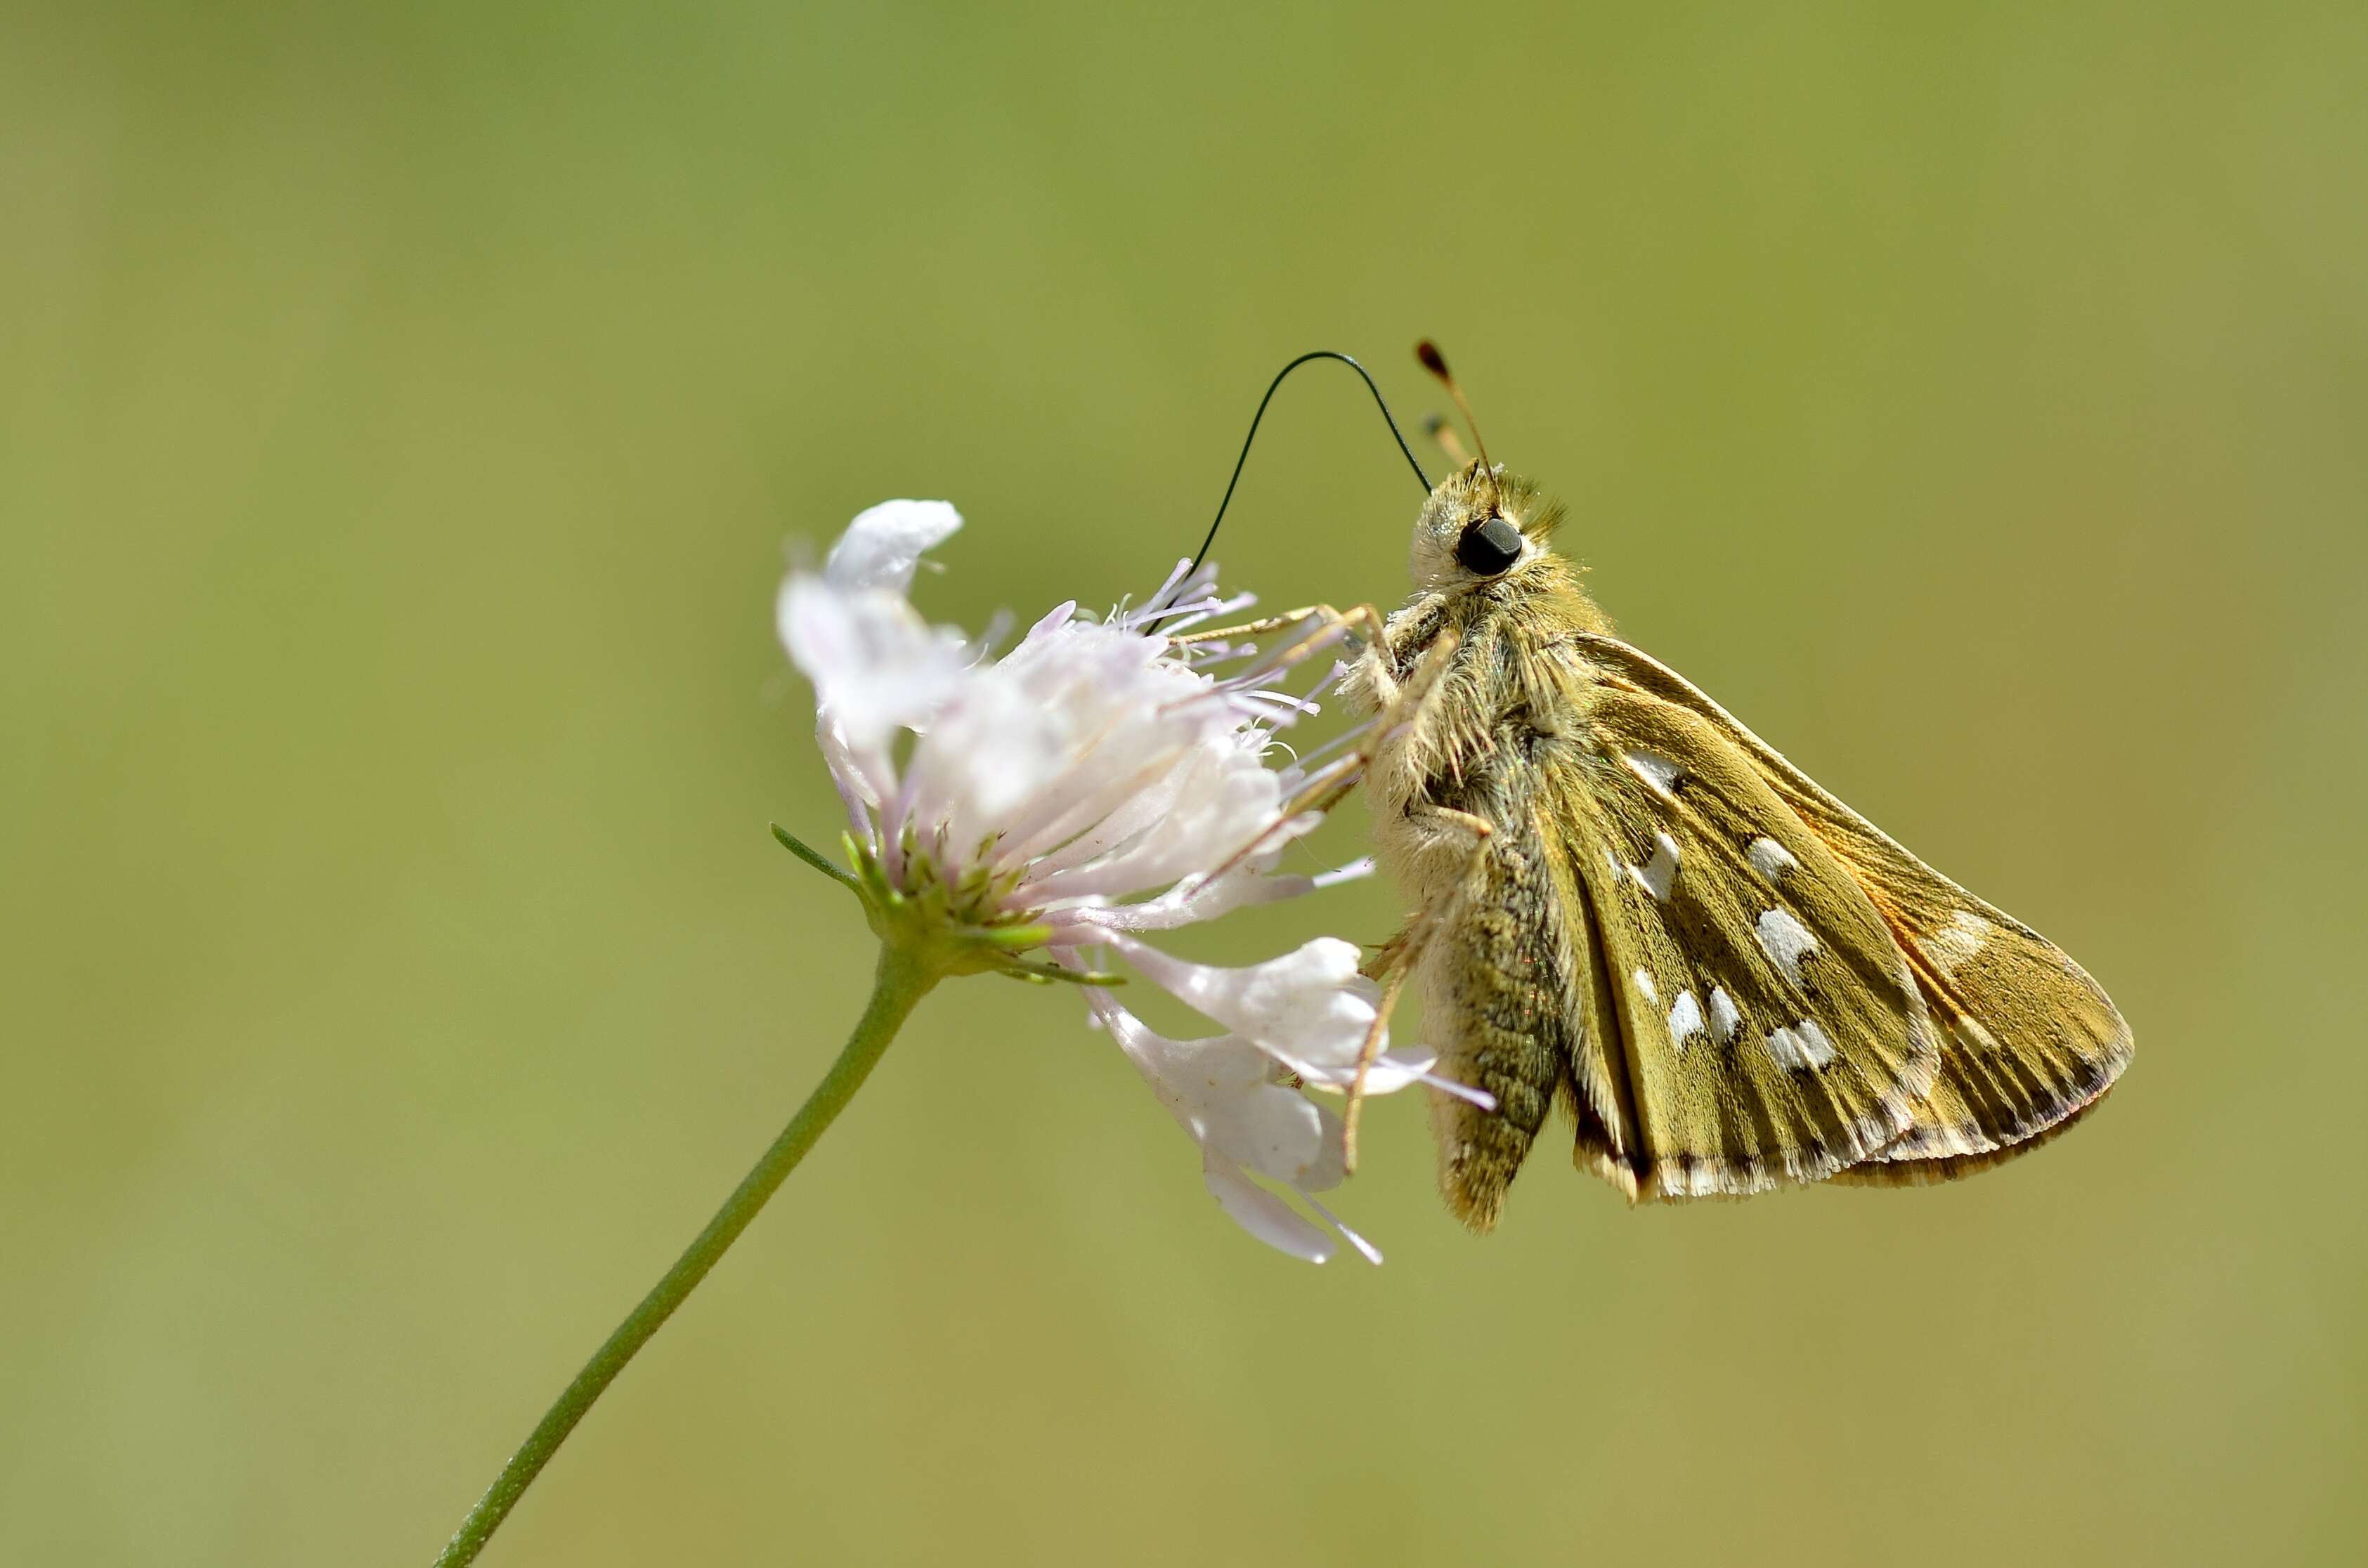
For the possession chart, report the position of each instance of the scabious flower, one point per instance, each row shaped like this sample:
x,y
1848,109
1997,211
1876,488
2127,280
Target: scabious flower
x,y
1041,814
1100,781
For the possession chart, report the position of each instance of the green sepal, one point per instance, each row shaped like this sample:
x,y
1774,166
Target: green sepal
x,y
937,923
814,857
1044,975
1017,938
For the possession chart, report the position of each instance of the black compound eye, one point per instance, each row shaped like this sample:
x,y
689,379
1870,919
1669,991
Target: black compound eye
x,y
1490,547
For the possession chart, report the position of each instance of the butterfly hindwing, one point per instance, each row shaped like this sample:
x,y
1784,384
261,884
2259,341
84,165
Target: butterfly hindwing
x,y
2027,1040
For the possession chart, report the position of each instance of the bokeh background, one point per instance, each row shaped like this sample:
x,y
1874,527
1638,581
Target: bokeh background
x,y
403,414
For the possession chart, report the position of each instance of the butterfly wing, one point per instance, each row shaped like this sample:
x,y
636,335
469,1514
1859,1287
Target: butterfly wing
x,y
2028,1041
1770,1026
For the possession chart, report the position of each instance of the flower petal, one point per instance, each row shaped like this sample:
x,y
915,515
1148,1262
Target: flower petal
x,y
1389,1071
1273,1131
1198,898
1264,1215
880,548
1371,1254
875,665
1186,1073
860,781
1309,1007
1222,1090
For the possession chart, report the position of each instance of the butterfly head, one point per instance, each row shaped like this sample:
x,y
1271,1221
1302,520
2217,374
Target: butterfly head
x,y
1481,526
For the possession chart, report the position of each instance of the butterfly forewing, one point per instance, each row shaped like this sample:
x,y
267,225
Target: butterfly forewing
x,y
1771,1027
2032,1044
2027,1040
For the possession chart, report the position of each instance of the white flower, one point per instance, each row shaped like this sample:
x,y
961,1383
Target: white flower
x,y
1098,781
1310,1010
1229,1095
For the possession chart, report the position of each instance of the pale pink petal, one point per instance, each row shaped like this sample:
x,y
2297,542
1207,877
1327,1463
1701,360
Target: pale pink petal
x,y
1225,798
880,549
1197,898
1269,1129
1390,1071
860,781
1264,1215
1310,1007
1370,1253
876,666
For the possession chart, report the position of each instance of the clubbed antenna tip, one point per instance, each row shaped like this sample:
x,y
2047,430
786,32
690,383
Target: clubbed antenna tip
x,y
1436,363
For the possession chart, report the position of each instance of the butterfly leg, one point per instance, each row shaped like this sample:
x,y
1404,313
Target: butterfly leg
x,y
1405,712
1402,710
1332,783
1398,960
1364,624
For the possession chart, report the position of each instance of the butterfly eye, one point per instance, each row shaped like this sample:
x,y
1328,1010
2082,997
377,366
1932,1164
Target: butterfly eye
x,y
1490,547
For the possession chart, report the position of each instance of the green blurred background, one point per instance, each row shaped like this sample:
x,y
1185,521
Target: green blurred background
x,y
402,413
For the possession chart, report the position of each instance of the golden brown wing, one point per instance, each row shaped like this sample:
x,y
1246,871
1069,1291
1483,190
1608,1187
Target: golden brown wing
x,y
1771,1029
2031,1040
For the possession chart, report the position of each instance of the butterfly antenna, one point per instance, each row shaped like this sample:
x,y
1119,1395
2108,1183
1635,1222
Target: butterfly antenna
x,y
1436,363
1436,427
1271,387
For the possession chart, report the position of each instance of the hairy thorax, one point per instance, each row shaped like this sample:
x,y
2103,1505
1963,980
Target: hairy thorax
x,y
1475,681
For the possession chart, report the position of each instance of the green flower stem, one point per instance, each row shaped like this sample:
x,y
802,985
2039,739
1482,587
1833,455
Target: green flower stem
x,y
905,974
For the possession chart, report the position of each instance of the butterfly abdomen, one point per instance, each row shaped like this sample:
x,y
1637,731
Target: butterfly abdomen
x,y
1495,983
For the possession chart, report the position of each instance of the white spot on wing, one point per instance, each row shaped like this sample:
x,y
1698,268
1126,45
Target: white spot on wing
x,y
1645,983
1770,859
1804,1045
1661,871
1658,771
1970,1031
1964,938
1685,1018
1785,941
1813,1038
1724,1017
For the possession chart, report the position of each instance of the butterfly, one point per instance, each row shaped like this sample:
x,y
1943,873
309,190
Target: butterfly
x,y
1627,903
